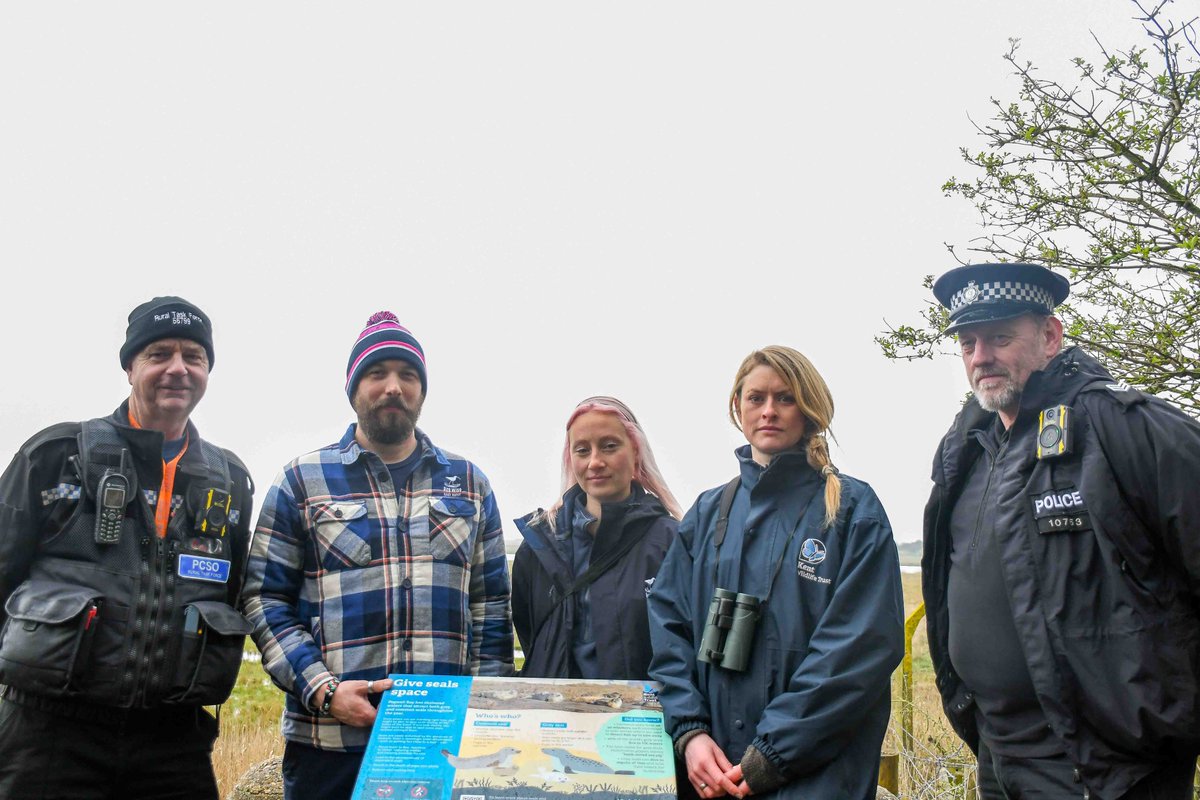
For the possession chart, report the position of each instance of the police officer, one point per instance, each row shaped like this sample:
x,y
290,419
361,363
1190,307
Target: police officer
x,y
1061,570
122,545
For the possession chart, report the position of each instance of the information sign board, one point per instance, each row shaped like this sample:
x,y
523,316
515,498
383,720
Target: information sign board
x,y
463,738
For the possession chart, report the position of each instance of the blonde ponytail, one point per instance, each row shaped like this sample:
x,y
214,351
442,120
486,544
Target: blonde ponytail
x,y
817,450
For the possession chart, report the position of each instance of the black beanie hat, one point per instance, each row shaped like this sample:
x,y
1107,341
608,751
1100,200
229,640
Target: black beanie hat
x,y
166,318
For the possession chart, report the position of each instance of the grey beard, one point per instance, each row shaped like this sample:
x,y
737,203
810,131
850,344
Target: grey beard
x,y
1008,396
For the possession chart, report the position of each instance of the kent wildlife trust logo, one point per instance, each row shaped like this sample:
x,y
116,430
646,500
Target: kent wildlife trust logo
x,y
812,553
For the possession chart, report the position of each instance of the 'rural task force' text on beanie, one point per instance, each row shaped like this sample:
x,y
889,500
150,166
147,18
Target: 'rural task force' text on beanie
x,y
166,318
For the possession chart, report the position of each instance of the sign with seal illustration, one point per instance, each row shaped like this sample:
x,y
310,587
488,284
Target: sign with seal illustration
x,y
455,737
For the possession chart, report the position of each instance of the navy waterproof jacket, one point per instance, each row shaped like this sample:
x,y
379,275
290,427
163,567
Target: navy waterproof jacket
x,y
815,697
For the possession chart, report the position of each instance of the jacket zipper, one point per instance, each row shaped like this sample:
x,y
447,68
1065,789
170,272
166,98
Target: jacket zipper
x,y
987,490
138,640
157,558
166,605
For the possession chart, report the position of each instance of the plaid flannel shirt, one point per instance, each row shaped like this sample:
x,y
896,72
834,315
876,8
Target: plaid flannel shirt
x,y
350,576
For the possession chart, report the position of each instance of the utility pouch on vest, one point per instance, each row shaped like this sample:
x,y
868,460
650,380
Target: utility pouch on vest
x,y
46,640
212,635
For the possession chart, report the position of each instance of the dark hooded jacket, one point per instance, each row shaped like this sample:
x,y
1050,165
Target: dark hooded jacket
x,y
542,574
1100,554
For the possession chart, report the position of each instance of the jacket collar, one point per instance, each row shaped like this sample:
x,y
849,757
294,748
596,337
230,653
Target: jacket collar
x,y
613,516
351,450
1063,377
789,467
146,443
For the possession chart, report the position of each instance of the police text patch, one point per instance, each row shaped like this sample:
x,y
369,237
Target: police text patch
x,y
1061,510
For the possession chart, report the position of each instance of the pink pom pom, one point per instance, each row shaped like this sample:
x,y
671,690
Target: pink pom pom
x,y
382,316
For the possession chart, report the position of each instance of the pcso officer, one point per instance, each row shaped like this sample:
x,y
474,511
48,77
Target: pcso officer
x,y
1061,570
122,545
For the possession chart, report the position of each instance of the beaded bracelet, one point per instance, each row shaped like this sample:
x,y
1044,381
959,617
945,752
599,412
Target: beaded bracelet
x,y
327,703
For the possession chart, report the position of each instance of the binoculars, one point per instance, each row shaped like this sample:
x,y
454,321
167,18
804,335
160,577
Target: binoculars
x,y
729,630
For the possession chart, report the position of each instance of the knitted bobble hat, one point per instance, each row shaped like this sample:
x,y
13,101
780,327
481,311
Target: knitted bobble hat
x,y
384,338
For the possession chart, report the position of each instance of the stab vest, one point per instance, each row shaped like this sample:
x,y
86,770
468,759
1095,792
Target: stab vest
x,y
139,623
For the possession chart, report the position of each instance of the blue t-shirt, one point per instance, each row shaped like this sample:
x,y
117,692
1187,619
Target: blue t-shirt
x,y
173,447
403,470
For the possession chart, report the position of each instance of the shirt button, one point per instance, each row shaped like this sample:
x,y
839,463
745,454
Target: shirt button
x,y
402,525
384,476
737,723
337,512
406,583
408,644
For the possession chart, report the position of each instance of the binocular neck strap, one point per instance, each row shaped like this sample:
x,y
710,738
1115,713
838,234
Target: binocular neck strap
x,y
723,525
723,513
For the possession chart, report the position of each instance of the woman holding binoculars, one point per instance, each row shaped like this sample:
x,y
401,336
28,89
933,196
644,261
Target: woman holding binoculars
x,y
580,578
777,616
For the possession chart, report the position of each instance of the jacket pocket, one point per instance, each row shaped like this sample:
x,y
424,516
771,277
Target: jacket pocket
x,y
47,638
339,529
210,653
450,525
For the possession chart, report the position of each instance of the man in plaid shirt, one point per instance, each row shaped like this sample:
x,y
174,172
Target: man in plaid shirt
x,y
379,554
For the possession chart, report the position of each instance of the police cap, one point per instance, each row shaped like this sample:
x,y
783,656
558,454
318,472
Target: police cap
x,y
990,292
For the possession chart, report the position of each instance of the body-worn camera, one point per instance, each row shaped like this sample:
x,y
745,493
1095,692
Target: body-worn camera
x,y
214,512
729,629
1054,432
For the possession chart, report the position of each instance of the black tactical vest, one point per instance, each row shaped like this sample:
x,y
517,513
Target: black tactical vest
x,y
140,622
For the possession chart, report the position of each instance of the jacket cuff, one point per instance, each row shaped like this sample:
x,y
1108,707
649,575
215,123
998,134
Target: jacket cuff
x,y
308,697
686,732
759,773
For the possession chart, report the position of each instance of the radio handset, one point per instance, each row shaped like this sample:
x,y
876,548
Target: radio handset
x,y
111,498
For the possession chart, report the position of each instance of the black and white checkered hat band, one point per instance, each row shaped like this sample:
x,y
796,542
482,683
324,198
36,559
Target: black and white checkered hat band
x,y
1000,292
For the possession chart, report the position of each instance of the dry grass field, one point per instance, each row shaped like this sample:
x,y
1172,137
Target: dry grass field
x,y
249,726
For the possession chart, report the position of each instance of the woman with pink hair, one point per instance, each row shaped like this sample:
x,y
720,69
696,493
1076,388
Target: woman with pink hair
x,y
580,578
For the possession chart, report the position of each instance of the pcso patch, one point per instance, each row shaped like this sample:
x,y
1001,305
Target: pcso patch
x,y
812,553
1060,511
199,568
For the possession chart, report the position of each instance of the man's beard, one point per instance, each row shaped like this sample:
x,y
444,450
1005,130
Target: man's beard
x,y
1006,396
387,427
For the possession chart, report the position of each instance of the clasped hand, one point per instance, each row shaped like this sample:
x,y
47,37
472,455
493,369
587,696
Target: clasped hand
x,y
710,772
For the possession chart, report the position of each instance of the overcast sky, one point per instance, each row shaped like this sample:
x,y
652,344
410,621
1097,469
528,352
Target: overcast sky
x,y
558,199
